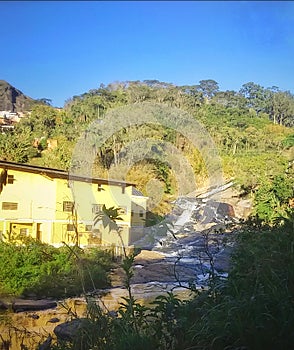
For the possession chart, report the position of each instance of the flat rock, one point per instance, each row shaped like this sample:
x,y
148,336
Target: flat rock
x,y
147,255
20,305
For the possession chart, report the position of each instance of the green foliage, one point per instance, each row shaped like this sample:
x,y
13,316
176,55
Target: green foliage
x,y
288,142
272,198
260,289
58,158
241,123
41,122
257,96
252,169
281,108
16,147
253,309
42,270
162,171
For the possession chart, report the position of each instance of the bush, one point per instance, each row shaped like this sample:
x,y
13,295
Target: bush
x,y
42,270
272,198
254,309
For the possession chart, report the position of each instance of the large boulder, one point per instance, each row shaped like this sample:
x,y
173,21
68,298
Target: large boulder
x,y
68,330
225,209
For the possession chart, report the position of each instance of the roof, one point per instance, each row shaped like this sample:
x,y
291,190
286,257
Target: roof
x,y
59,174
136,192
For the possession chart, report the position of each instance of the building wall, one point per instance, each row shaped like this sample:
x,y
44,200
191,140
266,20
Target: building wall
x,y
138,211
87,198
32,197
43,209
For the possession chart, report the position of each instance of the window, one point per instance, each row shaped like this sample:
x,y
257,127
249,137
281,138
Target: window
x,y
67,206
70,227
141,214
23,231
132,213
96,208
10,179
88,228
123,189
99,188
9,206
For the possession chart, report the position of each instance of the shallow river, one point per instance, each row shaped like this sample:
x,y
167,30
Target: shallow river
x,y
33,327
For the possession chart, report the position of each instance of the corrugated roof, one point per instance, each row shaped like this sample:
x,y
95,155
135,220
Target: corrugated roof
x,y
136,192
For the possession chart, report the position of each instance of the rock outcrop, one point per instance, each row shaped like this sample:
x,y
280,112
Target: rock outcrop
x,y
13,100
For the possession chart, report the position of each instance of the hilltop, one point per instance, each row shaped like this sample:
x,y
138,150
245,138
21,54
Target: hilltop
x,y
12,99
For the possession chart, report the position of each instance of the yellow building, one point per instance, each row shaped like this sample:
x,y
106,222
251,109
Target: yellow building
x,y
54,207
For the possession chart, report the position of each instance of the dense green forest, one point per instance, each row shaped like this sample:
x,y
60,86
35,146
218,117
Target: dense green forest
x,y
252,129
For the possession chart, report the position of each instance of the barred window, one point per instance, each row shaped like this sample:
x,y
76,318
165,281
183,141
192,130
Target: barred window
x,y
10,179
23,231
96,208
9,206
68,206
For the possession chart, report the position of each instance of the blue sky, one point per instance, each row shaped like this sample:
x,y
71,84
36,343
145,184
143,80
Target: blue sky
x,y
60,49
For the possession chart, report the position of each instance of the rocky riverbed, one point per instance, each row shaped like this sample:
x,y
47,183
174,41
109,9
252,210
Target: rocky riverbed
x,y
199,239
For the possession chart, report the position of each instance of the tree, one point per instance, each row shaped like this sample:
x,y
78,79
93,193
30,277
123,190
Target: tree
x,y
281,108
209,88
257,96
45,101
16,147
230,99
42,121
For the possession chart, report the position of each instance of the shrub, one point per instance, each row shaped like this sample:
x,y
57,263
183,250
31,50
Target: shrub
x,y
254,309
42,270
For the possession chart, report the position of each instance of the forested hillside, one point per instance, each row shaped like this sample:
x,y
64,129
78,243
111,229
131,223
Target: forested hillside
x,y
252,129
